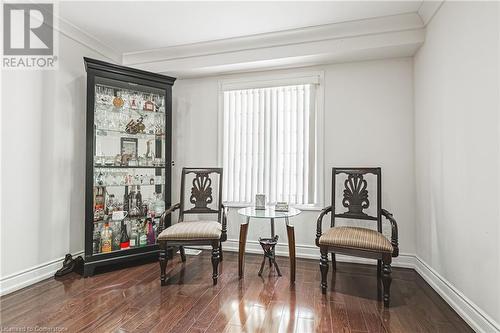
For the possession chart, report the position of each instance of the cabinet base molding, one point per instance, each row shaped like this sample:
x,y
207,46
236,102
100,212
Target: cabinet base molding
x,y
90,266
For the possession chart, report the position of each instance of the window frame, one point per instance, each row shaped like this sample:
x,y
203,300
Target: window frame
x,y
273,80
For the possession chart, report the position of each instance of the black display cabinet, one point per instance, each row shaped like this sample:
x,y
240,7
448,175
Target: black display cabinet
x,y
128,162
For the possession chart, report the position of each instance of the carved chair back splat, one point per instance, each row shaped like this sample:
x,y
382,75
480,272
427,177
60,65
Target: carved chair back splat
x,y
356,196
201,192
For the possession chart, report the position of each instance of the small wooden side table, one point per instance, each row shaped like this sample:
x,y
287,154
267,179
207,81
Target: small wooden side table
x,y
271,214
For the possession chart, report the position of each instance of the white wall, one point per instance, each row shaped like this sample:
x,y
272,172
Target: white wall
x,y
368,122
43,166
457,150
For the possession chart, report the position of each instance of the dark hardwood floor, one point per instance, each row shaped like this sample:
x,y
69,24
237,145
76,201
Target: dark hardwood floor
x,y
132,299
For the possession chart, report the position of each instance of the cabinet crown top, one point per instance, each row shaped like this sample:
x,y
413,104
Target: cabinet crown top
x,y
129,71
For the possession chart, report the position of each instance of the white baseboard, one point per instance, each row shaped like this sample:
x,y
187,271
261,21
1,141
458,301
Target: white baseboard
x,y
31,275
312,252
469,311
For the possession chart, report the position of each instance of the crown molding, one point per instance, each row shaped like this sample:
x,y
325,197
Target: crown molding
x,y
78,35
374,38
364,47
428,9
389,36
281,38
330,43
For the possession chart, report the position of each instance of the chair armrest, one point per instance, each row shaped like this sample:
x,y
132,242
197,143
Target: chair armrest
x,y
224,223
319,221
394,232
168,211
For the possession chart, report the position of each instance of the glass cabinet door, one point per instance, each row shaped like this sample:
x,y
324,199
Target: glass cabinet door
x,y
129,165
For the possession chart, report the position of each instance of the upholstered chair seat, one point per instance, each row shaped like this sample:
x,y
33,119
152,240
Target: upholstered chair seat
x,y
196,230
356,238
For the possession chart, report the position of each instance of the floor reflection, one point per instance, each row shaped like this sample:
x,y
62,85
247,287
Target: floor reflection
x,y
132,300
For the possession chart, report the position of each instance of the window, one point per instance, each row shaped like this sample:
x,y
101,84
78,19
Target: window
x,y
270,142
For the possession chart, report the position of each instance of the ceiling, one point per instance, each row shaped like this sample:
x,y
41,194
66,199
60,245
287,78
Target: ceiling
x,y
139,26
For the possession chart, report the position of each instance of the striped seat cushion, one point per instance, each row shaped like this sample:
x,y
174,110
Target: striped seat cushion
x,y
356,238
192,231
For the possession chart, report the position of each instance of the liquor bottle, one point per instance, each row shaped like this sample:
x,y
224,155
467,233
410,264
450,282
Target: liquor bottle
x,y
124,239
132,202
150,233
116,235
106,239
151,207
96,240
138,200
138,237
125,200
134,237
110,204
98,203
143,238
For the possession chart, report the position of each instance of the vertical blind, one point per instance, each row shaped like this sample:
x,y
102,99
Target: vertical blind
x,y
269,144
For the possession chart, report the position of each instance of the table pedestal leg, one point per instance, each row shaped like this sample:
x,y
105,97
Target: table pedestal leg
x,y
291,249
243,242
262,266
268,245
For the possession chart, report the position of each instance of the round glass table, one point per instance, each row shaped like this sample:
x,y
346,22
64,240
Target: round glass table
x,y
271,214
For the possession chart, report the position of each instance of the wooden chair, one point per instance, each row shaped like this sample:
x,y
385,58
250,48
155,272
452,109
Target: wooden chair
x,y
199,232
356,241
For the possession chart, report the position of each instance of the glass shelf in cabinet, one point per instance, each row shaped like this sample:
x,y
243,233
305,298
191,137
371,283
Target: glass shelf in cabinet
x,y
100,107
126,220
121,185
128,167
123,134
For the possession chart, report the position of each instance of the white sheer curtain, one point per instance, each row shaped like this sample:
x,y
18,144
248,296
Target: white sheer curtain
x,y
268,144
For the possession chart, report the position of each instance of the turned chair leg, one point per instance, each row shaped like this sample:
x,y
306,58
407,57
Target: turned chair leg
x,y
379,268
334,263
183,253
386,281
380,290
163,265
323,265
215,261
